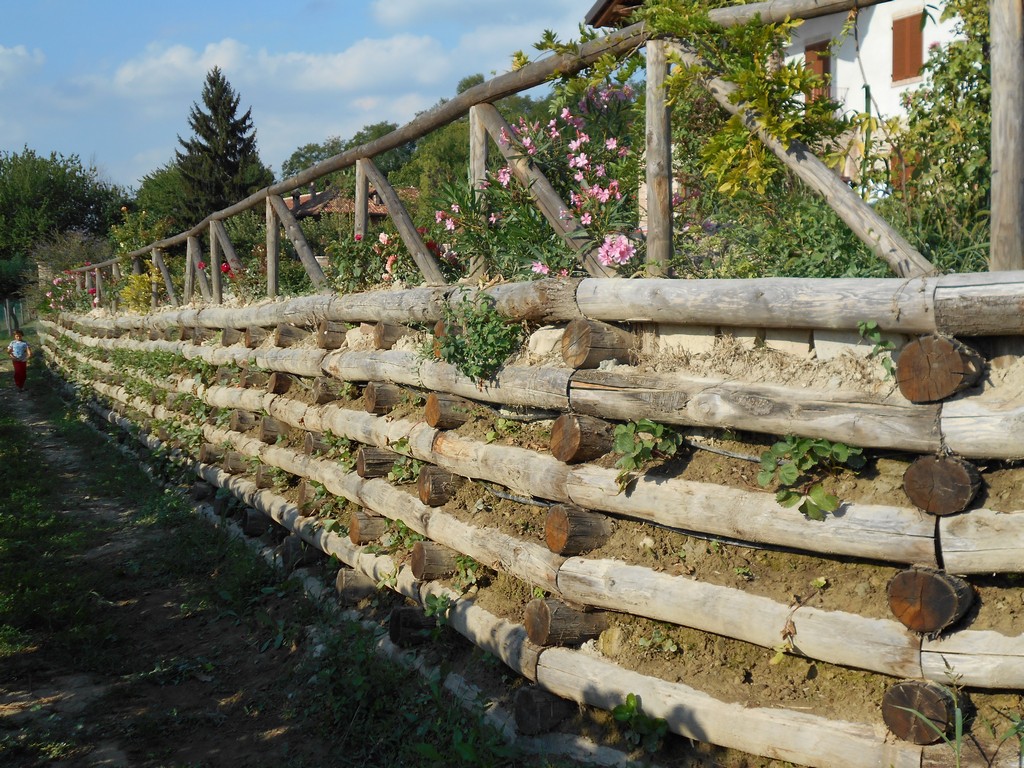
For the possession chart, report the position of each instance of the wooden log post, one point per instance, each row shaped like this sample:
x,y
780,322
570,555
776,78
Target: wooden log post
x,y
158,260
386,335
271,429
576,437
296,553
436,486
941,485
409,626
374,462
364,528
210,453
216,277
254,379
353,586
255,522
288,335
381,398
330,334
907,705
295,234
928,600
586,343
230,336
933,368
254,336
279,383
313,444
234,463
225,375
1006,248
431,560
200,335
273,248
536,711
201,491
445,411
325,390
553,622
241,421
658,161
570,530
223,504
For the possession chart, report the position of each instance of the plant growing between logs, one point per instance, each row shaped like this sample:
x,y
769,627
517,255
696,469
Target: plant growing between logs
x,y
641,730
797,465
640,443
479,339
880,347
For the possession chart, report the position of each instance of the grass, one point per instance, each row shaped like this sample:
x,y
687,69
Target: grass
x,y
63,612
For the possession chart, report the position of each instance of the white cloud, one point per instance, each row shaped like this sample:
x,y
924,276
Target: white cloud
x,y
170,68
14,62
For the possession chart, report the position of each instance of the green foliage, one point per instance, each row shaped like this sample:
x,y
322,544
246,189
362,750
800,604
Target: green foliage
x,y
640,443
43,197
162,194
954,741
468,573
797,463
658,640
479,338
641,730
880,347
219,164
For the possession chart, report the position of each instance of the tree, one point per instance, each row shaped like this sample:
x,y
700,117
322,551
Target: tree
x,y
44,198
310,154
162,195
220,164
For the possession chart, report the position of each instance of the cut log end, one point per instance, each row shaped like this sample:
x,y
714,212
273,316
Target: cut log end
x,y
941,485
933,368
569,530
928,600
918,711
552,622
576,437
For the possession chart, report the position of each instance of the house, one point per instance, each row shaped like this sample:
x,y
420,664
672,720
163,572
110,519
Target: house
x,y
332,200
878,57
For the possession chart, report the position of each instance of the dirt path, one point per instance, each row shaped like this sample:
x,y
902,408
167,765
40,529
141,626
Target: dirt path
x,y
173,682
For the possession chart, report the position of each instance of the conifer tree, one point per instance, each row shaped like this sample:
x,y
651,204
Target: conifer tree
x,y
219,165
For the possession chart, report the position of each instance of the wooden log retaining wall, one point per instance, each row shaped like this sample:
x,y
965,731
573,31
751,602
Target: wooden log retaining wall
x,y
975,423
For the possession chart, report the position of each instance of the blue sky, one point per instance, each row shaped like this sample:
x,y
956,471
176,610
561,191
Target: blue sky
x,y
113,82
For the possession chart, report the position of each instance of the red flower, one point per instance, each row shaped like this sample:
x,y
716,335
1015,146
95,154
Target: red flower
x,y
92,290
225,267
358,238
200,265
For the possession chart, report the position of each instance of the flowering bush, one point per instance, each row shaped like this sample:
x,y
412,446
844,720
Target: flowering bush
x,y
380,258
585,154
62,295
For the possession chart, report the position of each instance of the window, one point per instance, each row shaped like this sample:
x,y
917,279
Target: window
x,y
907,47
819,61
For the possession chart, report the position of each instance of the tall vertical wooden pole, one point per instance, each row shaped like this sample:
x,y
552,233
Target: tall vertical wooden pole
x,y
1006,24
362,209
273,250
659,161
477,171
215,275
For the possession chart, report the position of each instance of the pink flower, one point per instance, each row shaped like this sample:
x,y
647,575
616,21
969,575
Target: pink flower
x,y
455,208
563,273
615,250
439,216
504,176
540,268
611,144
599,171
383,237
449,224
585,219
493,218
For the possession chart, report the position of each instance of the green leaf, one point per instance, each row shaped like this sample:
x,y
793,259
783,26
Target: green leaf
x,y
787,498
788,474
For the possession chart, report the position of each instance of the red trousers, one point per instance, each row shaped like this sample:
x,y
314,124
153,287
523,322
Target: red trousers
x,y
20,367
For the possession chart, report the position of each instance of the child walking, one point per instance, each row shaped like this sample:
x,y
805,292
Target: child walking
x,y
20,353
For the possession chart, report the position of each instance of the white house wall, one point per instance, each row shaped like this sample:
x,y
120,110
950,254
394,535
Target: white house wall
x,y
865,55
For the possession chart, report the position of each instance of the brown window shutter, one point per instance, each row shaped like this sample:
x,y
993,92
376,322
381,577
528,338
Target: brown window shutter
x,y
819,61
907,47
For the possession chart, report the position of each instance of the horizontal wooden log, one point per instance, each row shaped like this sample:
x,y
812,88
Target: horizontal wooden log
x,y
436,486
983,541
586,343
445,411
978,658
364,528
782,734
381,398
569,530
986,426
879,645
553,622
841,416
576,437
330,334
431,560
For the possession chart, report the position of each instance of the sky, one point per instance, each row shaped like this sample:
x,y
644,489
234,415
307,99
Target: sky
x,y
113,82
